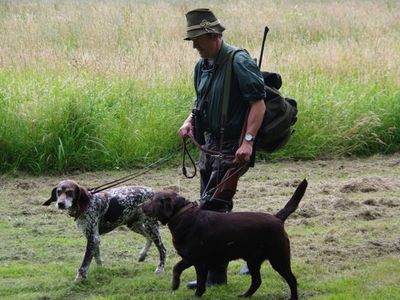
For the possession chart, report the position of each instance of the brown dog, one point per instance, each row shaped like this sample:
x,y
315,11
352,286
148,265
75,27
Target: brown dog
x,y
206,238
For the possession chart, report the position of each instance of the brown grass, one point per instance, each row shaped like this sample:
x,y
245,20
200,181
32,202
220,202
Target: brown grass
x,y
145,40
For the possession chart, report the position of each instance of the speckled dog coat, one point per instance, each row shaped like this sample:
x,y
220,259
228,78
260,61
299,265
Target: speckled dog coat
x,y
96,214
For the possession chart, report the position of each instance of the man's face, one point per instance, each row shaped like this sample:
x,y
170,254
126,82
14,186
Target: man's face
x,y
207,45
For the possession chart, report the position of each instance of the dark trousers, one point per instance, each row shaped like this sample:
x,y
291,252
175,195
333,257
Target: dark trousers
x,y
216,196
219,176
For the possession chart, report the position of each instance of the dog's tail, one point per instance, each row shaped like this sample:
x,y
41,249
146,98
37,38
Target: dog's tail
x,y
291,206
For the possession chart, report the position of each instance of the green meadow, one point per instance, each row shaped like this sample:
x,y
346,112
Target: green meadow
x,y
95,90
94,85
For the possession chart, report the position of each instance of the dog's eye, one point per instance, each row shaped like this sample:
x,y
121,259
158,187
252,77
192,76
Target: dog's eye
x,y
68,193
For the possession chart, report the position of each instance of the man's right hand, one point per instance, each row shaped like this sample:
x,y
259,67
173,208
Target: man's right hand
x,y
186,129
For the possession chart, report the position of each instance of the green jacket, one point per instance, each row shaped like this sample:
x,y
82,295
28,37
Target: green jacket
x,y
247,85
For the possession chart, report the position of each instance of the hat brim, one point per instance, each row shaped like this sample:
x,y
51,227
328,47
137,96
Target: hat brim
x,y
199,32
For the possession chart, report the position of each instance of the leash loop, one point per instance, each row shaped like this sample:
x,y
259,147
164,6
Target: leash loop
x,y
185,152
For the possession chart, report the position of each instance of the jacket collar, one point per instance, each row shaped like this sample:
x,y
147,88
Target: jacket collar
x,y
223,51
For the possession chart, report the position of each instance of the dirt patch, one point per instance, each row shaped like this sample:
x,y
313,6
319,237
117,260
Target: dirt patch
x,y
370,184
26,185
368,215
308,210
345,204
390,202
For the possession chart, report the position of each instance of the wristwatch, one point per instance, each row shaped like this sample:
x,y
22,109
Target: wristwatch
x,y
248,137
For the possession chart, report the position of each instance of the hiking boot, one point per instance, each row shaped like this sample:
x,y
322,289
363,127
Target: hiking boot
x,y
244,270
216,276
191,285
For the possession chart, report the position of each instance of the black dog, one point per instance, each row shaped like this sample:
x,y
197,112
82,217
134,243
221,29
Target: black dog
x,y
207,238
101,213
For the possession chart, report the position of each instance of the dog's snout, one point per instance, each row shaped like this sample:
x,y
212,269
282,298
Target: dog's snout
x,y
61,205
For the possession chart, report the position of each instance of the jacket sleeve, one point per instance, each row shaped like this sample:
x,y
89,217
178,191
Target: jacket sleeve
x,y
251,82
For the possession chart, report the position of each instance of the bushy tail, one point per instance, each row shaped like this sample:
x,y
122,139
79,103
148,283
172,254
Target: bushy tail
x,y
291,206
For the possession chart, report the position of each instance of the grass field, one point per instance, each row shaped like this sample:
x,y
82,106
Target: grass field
x,y
344,236
100,85
94,89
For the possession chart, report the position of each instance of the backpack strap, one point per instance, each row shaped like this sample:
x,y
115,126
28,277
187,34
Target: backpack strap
x,y
226,93
204,99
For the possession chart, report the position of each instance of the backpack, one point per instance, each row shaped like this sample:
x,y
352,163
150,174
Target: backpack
x,y
280,114
279,118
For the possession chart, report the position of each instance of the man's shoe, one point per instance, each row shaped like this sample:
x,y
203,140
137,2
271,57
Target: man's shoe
x,y
215,276
244,270
192,285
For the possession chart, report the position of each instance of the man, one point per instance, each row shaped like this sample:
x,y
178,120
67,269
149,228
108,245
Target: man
x,y
244,115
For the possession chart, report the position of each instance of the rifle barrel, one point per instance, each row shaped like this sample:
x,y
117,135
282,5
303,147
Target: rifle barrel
x,y
266,29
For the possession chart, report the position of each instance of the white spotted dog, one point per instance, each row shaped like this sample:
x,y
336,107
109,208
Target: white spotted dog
x,y
96,214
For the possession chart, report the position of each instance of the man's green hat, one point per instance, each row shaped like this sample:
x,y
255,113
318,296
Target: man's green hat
x,y
202,21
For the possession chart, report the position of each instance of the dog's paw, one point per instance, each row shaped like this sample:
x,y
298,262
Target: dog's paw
x,y
159,269
79,278
100,262
199,293
175,284
141,258
244,295
81,274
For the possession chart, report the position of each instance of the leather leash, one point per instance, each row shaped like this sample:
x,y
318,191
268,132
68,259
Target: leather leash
x,y
201,148
116,182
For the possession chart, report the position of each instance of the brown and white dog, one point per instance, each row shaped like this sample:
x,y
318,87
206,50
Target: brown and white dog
x,y
100,213
206,238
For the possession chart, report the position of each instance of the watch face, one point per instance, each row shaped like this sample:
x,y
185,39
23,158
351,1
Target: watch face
x,y
248,137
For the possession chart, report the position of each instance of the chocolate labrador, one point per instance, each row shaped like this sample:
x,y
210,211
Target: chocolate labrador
x,y
206,238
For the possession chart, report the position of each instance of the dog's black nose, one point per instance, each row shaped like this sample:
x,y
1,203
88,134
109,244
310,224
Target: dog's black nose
x,y
61,205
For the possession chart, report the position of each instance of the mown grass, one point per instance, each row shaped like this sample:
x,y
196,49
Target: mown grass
x,y
100,85
336,253
51,280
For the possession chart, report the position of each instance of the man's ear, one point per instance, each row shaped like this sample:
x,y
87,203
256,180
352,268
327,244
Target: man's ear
x,y
53,198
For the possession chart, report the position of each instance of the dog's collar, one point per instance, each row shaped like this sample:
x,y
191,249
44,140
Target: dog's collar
x,y
183,210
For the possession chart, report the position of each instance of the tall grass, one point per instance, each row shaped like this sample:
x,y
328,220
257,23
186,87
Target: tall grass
x,y
99,85
86,122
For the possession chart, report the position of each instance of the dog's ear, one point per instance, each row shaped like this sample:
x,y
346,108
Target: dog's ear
x,y
179,200
83,199
164,208
168,207
53,198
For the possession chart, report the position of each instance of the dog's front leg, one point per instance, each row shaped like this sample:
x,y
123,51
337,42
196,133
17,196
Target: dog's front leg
x,y
201,272
93,242
97,255
178,269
